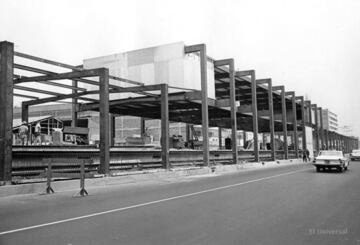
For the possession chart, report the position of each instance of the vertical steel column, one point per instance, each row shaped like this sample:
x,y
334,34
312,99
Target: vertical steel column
x,y
142,126
255,116
104,122
317,143
337,147
112,129
271,114
165,126
6,110
303,122
321,130
272,129
308,103
187,134
283,109
327,139
220,137
24,112
201,48
296,137
231,64
233,110
74,106
244,138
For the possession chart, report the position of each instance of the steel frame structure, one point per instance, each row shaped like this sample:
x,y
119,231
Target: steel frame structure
x,y
262,108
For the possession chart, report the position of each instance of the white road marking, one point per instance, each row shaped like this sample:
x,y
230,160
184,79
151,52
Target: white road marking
x,y
148,203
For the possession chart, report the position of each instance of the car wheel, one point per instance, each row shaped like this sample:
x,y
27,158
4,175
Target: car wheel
x,y
317,169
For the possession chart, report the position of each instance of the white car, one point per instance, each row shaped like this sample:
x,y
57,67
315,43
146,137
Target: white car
x,y
355,155
331,159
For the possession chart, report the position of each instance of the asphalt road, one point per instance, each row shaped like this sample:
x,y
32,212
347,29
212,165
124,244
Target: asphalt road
x,y
282,205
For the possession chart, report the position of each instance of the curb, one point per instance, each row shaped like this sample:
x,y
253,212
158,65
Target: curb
x,y
133,177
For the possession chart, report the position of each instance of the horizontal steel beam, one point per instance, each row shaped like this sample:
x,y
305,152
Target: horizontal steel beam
x,y
34,90
244,73
74,68
61,76
25,96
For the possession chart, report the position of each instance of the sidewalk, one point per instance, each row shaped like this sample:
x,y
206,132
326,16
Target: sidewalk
x,y
140,176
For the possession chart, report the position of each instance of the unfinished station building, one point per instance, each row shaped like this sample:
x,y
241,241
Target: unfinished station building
x,y
155,107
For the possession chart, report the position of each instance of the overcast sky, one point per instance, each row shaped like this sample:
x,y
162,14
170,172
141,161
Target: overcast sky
x,y
310,46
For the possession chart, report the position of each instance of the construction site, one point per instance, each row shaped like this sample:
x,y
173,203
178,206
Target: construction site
x,y
160,107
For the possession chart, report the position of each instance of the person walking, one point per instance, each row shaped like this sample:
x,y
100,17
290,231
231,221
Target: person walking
x,y
23,133
307,155
37,133
304,156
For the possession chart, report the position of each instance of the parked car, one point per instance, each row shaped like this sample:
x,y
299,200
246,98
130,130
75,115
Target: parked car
x,y
355,155
330,160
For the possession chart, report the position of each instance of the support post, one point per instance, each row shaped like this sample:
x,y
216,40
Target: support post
x,y
327,139
255,116
233,110
220,137
104,122
74,106
271,115
201,48
142,126
187,136
317,135
231,64
296,138
6,110
321,130
283,108
165,126
303,123
272,129
112,129
24,112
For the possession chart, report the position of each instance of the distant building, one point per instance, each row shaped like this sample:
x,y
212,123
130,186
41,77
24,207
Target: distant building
x,y
346,130
330,120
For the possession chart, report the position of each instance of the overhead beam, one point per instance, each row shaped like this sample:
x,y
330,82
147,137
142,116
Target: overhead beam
x,y
62,97
35,90
26,96
62,76
74,68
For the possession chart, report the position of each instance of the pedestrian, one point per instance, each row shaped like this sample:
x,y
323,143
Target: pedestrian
x,y
304,156
37,133
307,155
23,133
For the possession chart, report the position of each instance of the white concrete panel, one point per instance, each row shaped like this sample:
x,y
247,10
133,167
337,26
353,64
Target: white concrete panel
x,y
309,140
163,64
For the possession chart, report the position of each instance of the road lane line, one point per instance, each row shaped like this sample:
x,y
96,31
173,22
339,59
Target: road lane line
x,y
149,203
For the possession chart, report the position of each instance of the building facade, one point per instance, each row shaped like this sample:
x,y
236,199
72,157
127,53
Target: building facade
x,y
330,120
